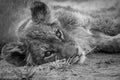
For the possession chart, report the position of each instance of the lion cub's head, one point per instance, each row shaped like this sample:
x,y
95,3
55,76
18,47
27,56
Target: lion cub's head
x,y
45,37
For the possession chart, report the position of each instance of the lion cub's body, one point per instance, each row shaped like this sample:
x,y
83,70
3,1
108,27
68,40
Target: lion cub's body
x,y
90,28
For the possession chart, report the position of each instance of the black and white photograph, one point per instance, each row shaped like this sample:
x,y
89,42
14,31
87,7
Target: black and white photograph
x,y
59,39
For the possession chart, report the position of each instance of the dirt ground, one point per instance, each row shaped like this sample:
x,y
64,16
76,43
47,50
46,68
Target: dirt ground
x,y
99,66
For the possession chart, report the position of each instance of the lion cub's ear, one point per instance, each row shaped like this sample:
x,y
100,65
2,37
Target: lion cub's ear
x,y
40,12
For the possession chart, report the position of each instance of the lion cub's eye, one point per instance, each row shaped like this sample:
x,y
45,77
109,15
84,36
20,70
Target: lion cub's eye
x,y
59,34
49,53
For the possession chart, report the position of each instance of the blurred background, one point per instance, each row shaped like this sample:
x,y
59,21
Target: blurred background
x,y
10,12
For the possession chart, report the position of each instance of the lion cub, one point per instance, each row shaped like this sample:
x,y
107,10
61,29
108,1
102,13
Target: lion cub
x,y
59,30
56,33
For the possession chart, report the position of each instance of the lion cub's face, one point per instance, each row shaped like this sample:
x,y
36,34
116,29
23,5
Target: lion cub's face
x,y
45,40
48,41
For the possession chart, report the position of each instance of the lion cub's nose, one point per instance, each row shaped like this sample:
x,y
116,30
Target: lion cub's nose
x,y
69,51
